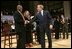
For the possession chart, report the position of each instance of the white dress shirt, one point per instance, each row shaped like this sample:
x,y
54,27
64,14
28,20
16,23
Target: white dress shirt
x,y
42,12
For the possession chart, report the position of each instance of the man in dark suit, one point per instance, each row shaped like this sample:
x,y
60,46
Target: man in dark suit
x,y
20,28
44,21
57,27
38,33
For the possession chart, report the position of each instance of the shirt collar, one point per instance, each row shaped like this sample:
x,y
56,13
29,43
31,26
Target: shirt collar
x,y
41,11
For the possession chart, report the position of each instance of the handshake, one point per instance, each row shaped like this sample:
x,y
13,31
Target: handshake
x,y
26,21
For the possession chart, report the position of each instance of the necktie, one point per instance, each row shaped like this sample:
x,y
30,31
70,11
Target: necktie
x,y
40,13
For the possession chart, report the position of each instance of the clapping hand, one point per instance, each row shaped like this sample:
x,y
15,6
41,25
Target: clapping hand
x,y
51,26
26,21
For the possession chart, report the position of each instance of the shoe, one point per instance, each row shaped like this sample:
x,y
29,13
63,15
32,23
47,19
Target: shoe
x,y
30,45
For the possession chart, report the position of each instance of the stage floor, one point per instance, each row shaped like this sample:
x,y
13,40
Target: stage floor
x,y
60,43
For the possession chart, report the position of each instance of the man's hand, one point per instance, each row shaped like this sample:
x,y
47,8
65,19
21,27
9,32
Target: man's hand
x,y
51,26
26,21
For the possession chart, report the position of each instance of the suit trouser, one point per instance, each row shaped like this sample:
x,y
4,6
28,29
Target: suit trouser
x,y
38,34
21,40
42,36
57,34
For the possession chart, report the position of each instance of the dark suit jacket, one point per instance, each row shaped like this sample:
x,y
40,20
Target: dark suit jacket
x,y
56,25
19,23
44,20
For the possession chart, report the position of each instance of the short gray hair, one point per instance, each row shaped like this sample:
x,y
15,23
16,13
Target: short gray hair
x,y
41,6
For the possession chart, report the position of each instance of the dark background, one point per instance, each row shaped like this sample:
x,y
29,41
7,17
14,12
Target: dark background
x,y
30,5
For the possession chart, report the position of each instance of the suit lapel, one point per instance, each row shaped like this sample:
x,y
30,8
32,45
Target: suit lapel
x,y
43,13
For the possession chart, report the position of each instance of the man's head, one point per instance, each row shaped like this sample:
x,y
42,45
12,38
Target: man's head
x,y
40,7
19,8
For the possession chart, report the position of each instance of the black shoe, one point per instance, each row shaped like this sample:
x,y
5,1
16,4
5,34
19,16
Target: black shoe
x,y
63,37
